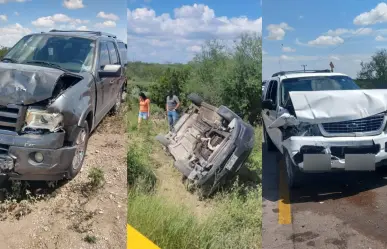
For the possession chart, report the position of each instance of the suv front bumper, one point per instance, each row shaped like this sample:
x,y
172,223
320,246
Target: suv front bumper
x,y
322,154
18,151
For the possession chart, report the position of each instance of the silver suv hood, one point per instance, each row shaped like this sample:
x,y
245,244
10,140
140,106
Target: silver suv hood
x,y
335,106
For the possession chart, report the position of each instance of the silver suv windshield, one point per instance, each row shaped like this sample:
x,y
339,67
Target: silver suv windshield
x,y
316,83
73,54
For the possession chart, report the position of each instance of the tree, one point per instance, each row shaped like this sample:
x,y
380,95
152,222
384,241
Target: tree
x,y
242,89
376,69
172,79
3,51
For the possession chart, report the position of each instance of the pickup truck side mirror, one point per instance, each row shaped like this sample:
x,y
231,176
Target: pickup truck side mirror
x,y
268,104
110,71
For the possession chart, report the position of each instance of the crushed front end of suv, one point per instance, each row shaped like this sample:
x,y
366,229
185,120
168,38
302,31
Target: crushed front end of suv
x,y
209,144
323,122
55,88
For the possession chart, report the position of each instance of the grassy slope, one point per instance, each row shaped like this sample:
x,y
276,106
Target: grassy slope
x,y
234,220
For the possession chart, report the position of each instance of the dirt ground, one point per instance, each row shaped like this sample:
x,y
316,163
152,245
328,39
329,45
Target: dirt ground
x,y
69,217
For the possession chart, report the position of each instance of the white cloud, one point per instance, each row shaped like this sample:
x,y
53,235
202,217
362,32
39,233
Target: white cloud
x,y
326,40
278,31
182,33
300,17
288,49
376,15
8,1
194,48
341,31
16,13
10,34
109,16
82,28
380,38
3,18
73,4
51,21
334,57
264,52
106,24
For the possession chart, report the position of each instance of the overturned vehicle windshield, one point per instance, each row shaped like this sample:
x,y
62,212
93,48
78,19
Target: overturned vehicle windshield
x,y
323,122
209,144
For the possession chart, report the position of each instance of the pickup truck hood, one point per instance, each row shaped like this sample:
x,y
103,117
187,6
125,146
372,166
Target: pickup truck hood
x,y
336,106
27,84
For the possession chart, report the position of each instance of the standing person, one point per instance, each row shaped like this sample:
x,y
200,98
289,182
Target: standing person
x,y
172,104
144,112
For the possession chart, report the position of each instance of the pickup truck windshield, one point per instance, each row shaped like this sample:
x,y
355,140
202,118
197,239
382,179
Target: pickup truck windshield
x,y
68,53
319,83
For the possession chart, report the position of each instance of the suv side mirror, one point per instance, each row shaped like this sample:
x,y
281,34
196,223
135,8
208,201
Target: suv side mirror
x,y
268,104
110,71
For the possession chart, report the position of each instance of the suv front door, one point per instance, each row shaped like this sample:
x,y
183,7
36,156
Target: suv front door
x,y
114,83
269,116
103,84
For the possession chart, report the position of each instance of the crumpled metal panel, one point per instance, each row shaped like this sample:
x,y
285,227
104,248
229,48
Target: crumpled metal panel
x,y
317,107
26,84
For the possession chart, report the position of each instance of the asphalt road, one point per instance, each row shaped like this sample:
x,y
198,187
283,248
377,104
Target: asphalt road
x,y
340,210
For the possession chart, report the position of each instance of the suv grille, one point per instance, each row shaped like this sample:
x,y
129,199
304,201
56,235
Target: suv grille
x,y
10,118
369,124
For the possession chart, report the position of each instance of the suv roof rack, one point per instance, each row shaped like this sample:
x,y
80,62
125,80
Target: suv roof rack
x,y
99,33
301,71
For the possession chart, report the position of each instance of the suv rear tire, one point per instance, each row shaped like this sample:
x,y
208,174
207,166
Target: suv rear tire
x,y
294,175
270,146
116,108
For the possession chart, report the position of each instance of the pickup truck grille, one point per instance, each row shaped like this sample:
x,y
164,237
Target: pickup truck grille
x,y
11,117
365,125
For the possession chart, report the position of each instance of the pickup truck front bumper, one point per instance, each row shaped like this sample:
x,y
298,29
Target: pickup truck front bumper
x,y
323,154
17,156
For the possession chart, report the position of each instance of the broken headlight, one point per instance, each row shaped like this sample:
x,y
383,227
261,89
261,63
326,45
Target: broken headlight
x,y
310,130
40,119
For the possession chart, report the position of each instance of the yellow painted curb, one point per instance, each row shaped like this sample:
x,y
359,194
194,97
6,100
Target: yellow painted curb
x,y
136,240
284,207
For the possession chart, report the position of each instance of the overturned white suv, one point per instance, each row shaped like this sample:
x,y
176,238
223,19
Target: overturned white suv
x,y
322,122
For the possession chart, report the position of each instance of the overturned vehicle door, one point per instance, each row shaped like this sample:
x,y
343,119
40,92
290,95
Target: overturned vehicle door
x,y
209,145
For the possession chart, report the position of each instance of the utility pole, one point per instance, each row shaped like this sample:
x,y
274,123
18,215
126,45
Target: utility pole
x,y
303,67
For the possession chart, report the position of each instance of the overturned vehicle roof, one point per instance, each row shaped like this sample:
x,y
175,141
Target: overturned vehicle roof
x,y
209,145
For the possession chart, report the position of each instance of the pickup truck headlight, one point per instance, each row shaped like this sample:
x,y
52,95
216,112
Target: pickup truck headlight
x,y
40,119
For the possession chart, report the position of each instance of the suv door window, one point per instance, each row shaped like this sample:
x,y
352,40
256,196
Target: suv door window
x,y
113,54
103,55
272,94
123,52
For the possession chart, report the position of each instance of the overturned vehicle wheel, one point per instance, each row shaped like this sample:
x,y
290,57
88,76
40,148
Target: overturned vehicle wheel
x,y
209,145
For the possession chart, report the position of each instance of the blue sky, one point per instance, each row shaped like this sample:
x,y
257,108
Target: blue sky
x,y
314,33
21,17
174,30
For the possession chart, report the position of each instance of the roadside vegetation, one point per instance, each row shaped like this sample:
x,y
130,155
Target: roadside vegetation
x,y
230,219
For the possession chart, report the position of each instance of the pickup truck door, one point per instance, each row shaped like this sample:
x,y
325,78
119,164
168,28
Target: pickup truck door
x,y
269,116
103,84
114,83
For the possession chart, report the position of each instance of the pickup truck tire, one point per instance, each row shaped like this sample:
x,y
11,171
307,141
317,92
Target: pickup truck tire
x,y
117,104
270,146
80,141
294,175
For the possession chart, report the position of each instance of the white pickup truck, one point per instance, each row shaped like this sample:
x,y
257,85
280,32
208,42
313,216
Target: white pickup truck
x,y
322,122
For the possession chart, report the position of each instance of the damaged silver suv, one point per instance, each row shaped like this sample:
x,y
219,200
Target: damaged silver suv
x,y
55,88
322,122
